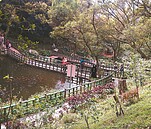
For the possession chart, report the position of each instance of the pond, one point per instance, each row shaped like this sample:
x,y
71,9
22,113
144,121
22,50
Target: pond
x,y
27,80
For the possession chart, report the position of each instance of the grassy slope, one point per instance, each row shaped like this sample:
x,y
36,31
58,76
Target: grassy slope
x,y
137,115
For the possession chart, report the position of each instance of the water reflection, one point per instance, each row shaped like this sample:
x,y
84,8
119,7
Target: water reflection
x,y
64,85
27,80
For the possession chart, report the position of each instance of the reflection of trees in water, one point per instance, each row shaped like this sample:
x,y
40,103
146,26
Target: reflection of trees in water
x,y
27,80
63,84
59,84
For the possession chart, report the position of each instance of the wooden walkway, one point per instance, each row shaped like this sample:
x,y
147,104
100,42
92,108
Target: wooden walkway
x,y
107,67
82,75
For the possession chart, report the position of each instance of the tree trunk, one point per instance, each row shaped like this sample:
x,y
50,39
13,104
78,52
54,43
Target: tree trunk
x,y
143,55
97,61
122,86
87,123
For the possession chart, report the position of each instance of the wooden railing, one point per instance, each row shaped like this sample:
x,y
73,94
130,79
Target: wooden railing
x,y
88,64
41,63
51,99
82,75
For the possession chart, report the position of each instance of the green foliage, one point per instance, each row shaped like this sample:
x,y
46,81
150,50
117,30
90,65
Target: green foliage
x,y
137,68
24,43
89,111
88,26
45,52
8,17
61,12
30,27
6,77
136,115
139,36
1,14
80,31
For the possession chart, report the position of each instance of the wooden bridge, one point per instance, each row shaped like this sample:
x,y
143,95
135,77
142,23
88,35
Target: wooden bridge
x,y
81,76
41,62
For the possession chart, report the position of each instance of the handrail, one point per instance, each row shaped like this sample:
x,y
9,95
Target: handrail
x,y
84,73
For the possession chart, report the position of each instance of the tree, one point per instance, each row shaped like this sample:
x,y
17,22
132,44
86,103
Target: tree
x,y
90,111
139,37
24,43
127,23
138,69
21,17
8,16
144,7
86,30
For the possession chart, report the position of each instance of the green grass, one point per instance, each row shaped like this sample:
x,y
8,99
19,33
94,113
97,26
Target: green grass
x,y
137,115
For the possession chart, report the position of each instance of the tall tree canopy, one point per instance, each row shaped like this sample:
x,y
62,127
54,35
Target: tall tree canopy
x,y
83,25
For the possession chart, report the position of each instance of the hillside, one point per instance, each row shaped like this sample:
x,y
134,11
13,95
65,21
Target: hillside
x,y
137,115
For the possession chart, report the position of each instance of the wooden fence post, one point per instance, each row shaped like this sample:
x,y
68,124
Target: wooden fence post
x,y
122,86
73,91
69,92
65,93
80,89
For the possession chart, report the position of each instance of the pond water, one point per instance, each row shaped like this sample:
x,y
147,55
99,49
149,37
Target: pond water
x,y
27,80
